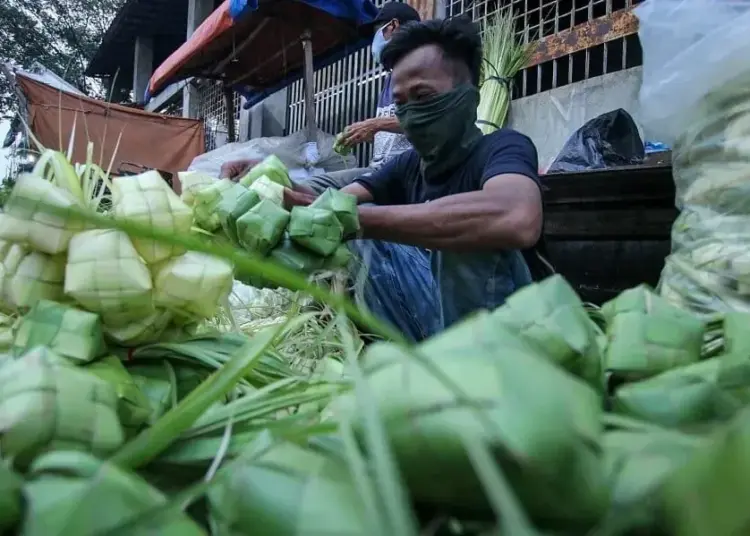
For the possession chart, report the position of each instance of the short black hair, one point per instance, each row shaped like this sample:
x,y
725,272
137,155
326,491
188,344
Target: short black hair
x,y
458,38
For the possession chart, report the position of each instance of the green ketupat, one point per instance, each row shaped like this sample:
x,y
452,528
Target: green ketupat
x,y
268,189
27,220
74,493
542,424
191,182
261,228
231,209
105,275
145,330
343,205
647,335
73,334
11,504
37,277
316,229
272,168
550,317
46,405
148,199
207,200
193,285
288,491
296,257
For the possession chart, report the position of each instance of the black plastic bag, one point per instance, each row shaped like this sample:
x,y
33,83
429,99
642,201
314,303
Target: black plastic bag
x,y
608,140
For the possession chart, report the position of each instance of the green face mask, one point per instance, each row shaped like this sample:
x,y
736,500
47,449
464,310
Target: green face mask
x,y
442,128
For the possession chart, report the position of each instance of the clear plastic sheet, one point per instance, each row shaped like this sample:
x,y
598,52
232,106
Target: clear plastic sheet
x,y
696,97
301,157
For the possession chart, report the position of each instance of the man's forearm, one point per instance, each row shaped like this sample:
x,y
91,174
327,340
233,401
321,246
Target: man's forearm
x,y
389,124
462,222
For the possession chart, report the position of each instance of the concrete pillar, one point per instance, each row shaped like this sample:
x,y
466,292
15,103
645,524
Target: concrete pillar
x,y
143,65
198,11
275,110
243,131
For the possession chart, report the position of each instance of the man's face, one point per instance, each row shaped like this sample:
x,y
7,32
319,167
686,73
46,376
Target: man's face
x,y
421,74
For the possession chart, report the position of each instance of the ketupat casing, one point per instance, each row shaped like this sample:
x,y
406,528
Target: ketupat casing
x,y
647,335
542,424
11,499
316,229
36,277
295,257
261,228
288,491
206,201
46,404
550,317
232,208
133,407
193,285
268,189
343,205
74,493
72,333
25,218
705,494
105,275
192,182
148,199
145,330
271,167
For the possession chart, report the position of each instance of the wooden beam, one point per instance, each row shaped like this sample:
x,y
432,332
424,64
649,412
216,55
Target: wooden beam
x,y
590,34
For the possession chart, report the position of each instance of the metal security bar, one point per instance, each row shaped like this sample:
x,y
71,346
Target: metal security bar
x,y
346,92
214,114
537,19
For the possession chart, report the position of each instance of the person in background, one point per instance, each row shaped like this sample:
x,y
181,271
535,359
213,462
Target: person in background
x,y
383,130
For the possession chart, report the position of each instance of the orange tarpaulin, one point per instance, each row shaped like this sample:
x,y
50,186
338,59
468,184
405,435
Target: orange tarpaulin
x,y
155,141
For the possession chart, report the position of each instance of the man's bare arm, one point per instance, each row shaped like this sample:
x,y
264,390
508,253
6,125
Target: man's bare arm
x,y
505,214
388,124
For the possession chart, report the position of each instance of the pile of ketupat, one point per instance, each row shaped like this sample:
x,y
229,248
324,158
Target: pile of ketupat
x,y
540,417
250,215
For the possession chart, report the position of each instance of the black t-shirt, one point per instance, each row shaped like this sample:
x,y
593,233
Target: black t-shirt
x,y
400,182
467,281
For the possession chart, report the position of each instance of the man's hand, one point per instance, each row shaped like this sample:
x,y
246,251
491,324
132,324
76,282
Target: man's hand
x,y
237,169
294,198
362,132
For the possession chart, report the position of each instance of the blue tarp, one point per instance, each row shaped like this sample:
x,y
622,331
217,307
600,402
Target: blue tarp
x,y
361,12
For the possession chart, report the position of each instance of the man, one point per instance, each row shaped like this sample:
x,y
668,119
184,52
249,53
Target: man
x,y
474,201
383,129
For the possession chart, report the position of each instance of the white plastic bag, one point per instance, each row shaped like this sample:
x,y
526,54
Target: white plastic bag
x,y
298,155
695,96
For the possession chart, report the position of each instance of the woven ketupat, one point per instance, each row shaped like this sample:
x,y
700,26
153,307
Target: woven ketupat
x,y
148,200
316,229
550,317
339,259
232,208
543,425
343,205
144,330
37,277
191,182
268,189
27,219
48,406
271,167
648,335
11,499
206,201
261,228
106,275
12,257
74,493
193,285
71,333
133,408
699,394
295,257
288,491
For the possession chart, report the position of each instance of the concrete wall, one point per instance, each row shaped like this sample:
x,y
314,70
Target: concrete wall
x,y
550,118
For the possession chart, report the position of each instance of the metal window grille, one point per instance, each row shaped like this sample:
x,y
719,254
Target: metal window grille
x,y
537,19
214,114
345,92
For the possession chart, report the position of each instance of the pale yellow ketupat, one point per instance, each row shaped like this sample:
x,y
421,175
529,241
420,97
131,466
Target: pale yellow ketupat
x,y
148,199
105,275
27,219
192,182
37,277
193,285
268,189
